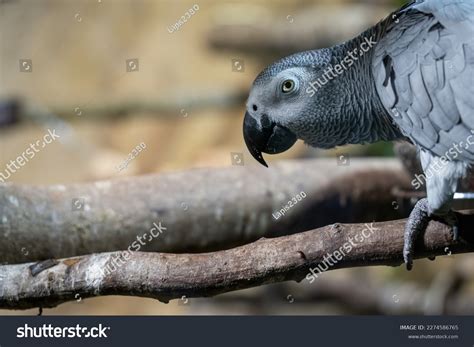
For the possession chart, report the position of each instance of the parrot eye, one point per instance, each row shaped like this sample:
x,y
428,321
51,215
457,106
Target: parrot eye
x,y
288,86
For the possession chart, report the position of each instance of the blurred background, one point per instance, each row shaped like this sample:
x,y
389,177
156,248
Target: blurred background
x,y
111,74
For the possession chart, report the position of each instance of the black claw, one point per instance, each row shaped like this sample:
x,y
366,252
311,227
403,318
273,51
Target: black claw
x,y
416,224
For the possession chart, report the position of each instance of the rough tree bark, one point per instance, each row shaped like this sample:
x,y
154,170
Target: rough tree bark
x,y
202,209
169,276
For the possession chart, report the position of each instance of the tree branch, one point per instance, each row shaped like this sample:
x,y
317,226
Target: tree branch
x,y
170,276
204,209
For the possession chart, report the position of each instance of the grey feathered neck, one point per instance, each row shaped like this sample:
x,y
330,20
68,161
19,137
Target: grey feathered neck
x,y
369,120
348,109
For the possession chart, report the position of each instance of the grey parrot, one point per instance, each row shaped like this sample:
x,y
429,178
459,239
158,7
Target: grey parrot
x,y
410,77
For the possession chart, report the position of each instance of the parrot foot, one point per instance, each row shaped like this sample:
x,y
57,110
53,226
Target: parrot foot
x,y
417,223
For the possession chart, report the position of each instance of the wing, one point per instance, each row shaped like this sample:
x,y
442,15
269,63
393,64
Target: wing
x,y
423,67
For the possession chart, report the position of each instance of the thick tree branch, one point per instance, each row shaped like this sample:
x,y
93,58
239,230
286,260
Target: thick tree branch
x,y
170,276
205,209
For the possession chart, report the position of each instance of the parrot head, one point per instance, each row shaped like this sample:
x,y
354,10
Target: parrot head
x,y
278,104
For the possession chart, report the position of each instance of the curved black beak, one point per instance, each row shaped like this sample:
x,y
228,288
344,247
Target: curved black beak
x,y
266,136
